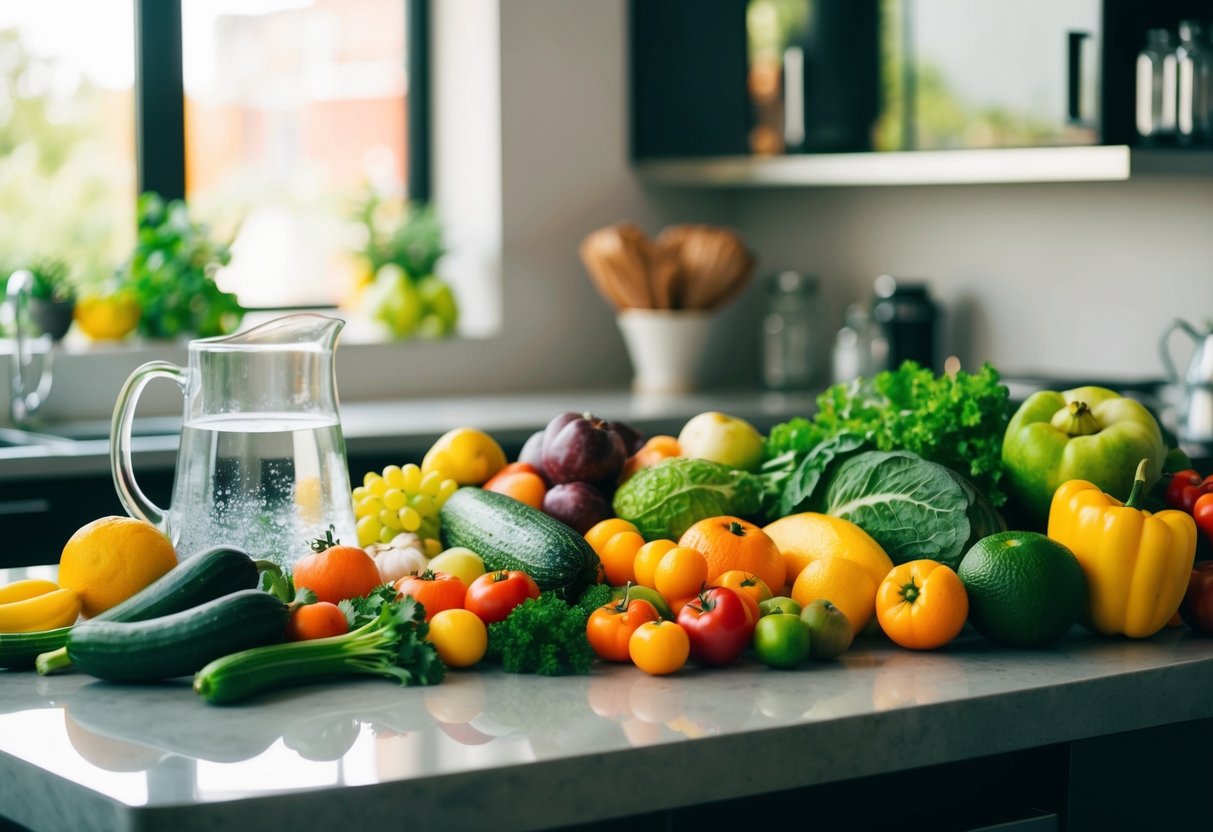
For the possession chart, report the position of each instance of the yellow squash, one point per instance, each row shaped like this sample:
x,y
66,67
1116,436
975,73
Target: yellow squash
x,y
1137,564
28,588
47,611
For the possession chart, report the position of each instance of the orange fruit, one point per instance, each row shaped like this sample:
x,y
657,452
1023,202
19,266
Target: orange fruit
x,y
644,566
922,605
110,559
732,543
803,537
843,583
337,573
681,572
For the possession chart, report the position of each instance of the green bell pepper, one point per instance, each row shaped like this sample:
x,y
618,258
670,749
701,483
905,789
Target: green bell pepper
x,y
1088,433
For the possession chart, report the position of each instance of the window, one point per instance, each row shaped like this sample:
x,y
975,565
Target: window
x,y
67,134
273,118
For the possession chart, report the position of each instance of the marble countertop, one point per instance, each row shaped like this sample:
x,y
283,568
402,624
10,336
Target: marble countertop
x,y
526,751
406,426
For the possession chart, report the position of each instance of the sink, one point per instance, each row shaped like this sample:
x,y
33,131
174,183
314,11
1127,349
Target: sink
x,y
85,431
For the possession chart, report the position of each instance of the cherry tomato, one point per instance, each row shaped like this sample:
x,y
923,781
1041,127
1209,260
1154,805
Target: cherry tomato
x,y
494,595
781,640
645,564
659,647
752,589
436,591
1196,609
718,624
610,627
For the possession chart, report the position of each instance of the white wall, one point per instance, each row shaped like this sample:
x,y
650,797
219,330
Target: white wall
x,y
1076,278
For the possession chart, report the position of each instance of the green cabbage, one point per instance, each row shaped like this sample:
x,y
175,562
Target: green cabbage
x,y
665,500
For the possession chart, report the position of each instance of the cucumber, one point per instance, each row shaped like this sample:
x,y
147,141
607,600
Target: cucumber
x,y
508,534
211,574
203,577
18,650
179,644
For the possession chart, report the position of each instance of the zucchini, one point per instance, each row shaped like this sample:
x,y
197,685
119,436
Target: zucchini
x,y
18,650
197,579
211,574
508,534
179,644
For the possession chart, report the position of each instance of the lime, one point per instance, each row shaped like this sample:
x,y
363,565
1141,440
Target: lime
x,y
1025,590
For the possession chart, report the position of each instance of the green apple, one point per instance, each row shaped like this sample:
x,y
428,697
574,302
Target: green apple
x,y
463,563
722,438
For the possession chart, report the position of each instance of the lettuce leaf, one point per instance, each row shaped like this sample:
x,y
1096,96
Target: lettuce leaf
x,y
665,500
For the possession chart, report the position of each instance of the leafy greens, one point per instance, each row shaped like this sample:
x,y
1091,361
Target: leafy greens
x,y
956,420
667,499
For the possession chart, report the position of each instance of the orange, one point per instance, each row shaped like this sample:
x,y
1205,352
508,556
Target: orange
x,y
110,559
645,564
922,605
803,537
656,449
337,573
843,583
732,543
681,572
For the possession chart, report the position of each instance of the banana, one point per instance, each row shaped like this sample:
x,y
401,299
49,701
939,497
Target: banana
x,y
48,611
21,590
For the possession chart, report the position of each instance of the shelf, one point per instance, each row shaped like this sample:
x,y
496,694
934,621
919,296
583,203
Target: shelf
x,y
1104,163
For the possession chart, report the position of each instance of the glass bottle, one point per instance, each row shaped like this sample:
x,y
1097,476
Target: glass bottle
x,y
1194,84
1156,88
790,332
907,315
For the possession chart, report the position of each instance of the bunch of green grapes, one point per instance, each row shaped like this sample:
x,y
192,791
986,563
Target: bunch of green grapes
x,y
401,499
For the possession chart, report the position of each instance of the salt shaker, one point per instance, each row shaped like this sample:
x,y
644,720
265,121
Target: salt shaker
x,y
790,334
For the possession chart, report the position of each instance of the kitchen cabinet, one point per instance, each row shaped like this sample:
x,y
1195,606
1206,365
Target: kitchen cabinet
x,y
890,92
963,738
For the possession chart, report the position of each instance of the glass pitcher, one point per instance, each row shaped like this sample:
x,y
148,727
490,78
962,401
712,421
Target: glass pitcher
x,y
262,460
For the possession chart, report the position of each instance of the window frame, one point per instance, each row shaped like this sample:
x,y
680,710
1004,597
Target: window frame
x,y
159,93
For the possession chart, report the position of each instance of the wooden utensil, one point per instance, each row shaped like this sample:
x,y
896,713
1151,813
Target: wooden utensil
x,y
616,258
714,263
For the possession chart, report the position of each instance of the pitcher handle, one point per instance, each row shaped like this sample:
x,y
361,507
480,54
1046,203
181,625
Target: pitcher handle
x,y
133,499
1164,345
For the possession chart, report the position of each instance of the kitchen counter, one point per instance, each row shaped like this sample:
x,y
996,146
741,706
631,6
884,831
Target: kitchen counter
x,y
403,428
527,751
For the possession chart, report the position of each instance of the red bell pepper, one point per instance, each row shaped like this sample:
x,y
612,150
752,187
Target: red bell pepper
x,y
1196,609
1185,488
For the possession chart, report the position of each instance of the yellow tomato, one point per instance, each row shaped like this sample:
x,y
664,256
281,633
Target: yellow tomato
x,y
460,637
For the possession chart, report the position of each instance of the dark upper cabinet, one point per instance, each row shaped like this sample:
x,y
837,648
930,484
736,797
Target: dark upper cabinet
x,y
783,77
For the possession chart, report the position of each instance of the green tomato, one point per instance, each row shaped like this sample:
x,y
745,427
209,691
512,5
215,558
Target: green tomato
x,y
780,603
460,562
781,640
1088,433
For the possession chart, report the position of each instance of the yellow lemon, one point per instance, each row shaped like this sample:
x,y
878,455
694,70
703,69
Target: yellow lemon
x,y
110,559
465,455
809,535
107,317
844,583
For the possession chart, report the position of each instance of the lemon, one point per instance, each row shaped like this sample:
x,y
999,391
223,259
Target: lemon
x,y
809,535
108,317
465,455
110,559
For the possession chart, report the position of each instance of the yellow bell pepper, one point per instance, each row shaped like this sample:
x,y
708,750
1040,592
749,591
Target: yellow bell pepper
x,y
1137,564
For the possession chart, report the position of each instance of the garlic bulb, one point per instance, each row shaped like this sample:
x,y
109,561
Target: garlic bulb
x,y
403,555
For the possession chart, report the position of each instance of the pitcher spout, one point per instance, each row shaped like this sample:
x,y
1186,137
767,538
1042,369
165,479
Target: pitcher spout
x,y
305,330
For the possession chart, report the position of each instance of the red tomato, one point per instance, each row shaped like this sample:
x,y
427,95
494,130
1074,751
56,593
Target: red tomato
x,y
610,627
494,595
1196,609
718,624
436,591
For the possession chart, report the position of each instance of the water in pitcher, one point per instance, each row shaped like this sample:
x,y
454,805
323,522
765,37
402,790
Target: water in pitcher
x,y
260,481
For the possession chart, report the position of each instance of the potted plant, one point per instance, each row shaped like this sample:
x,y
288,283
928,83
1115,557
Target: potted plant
x,y
171,274
52,297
